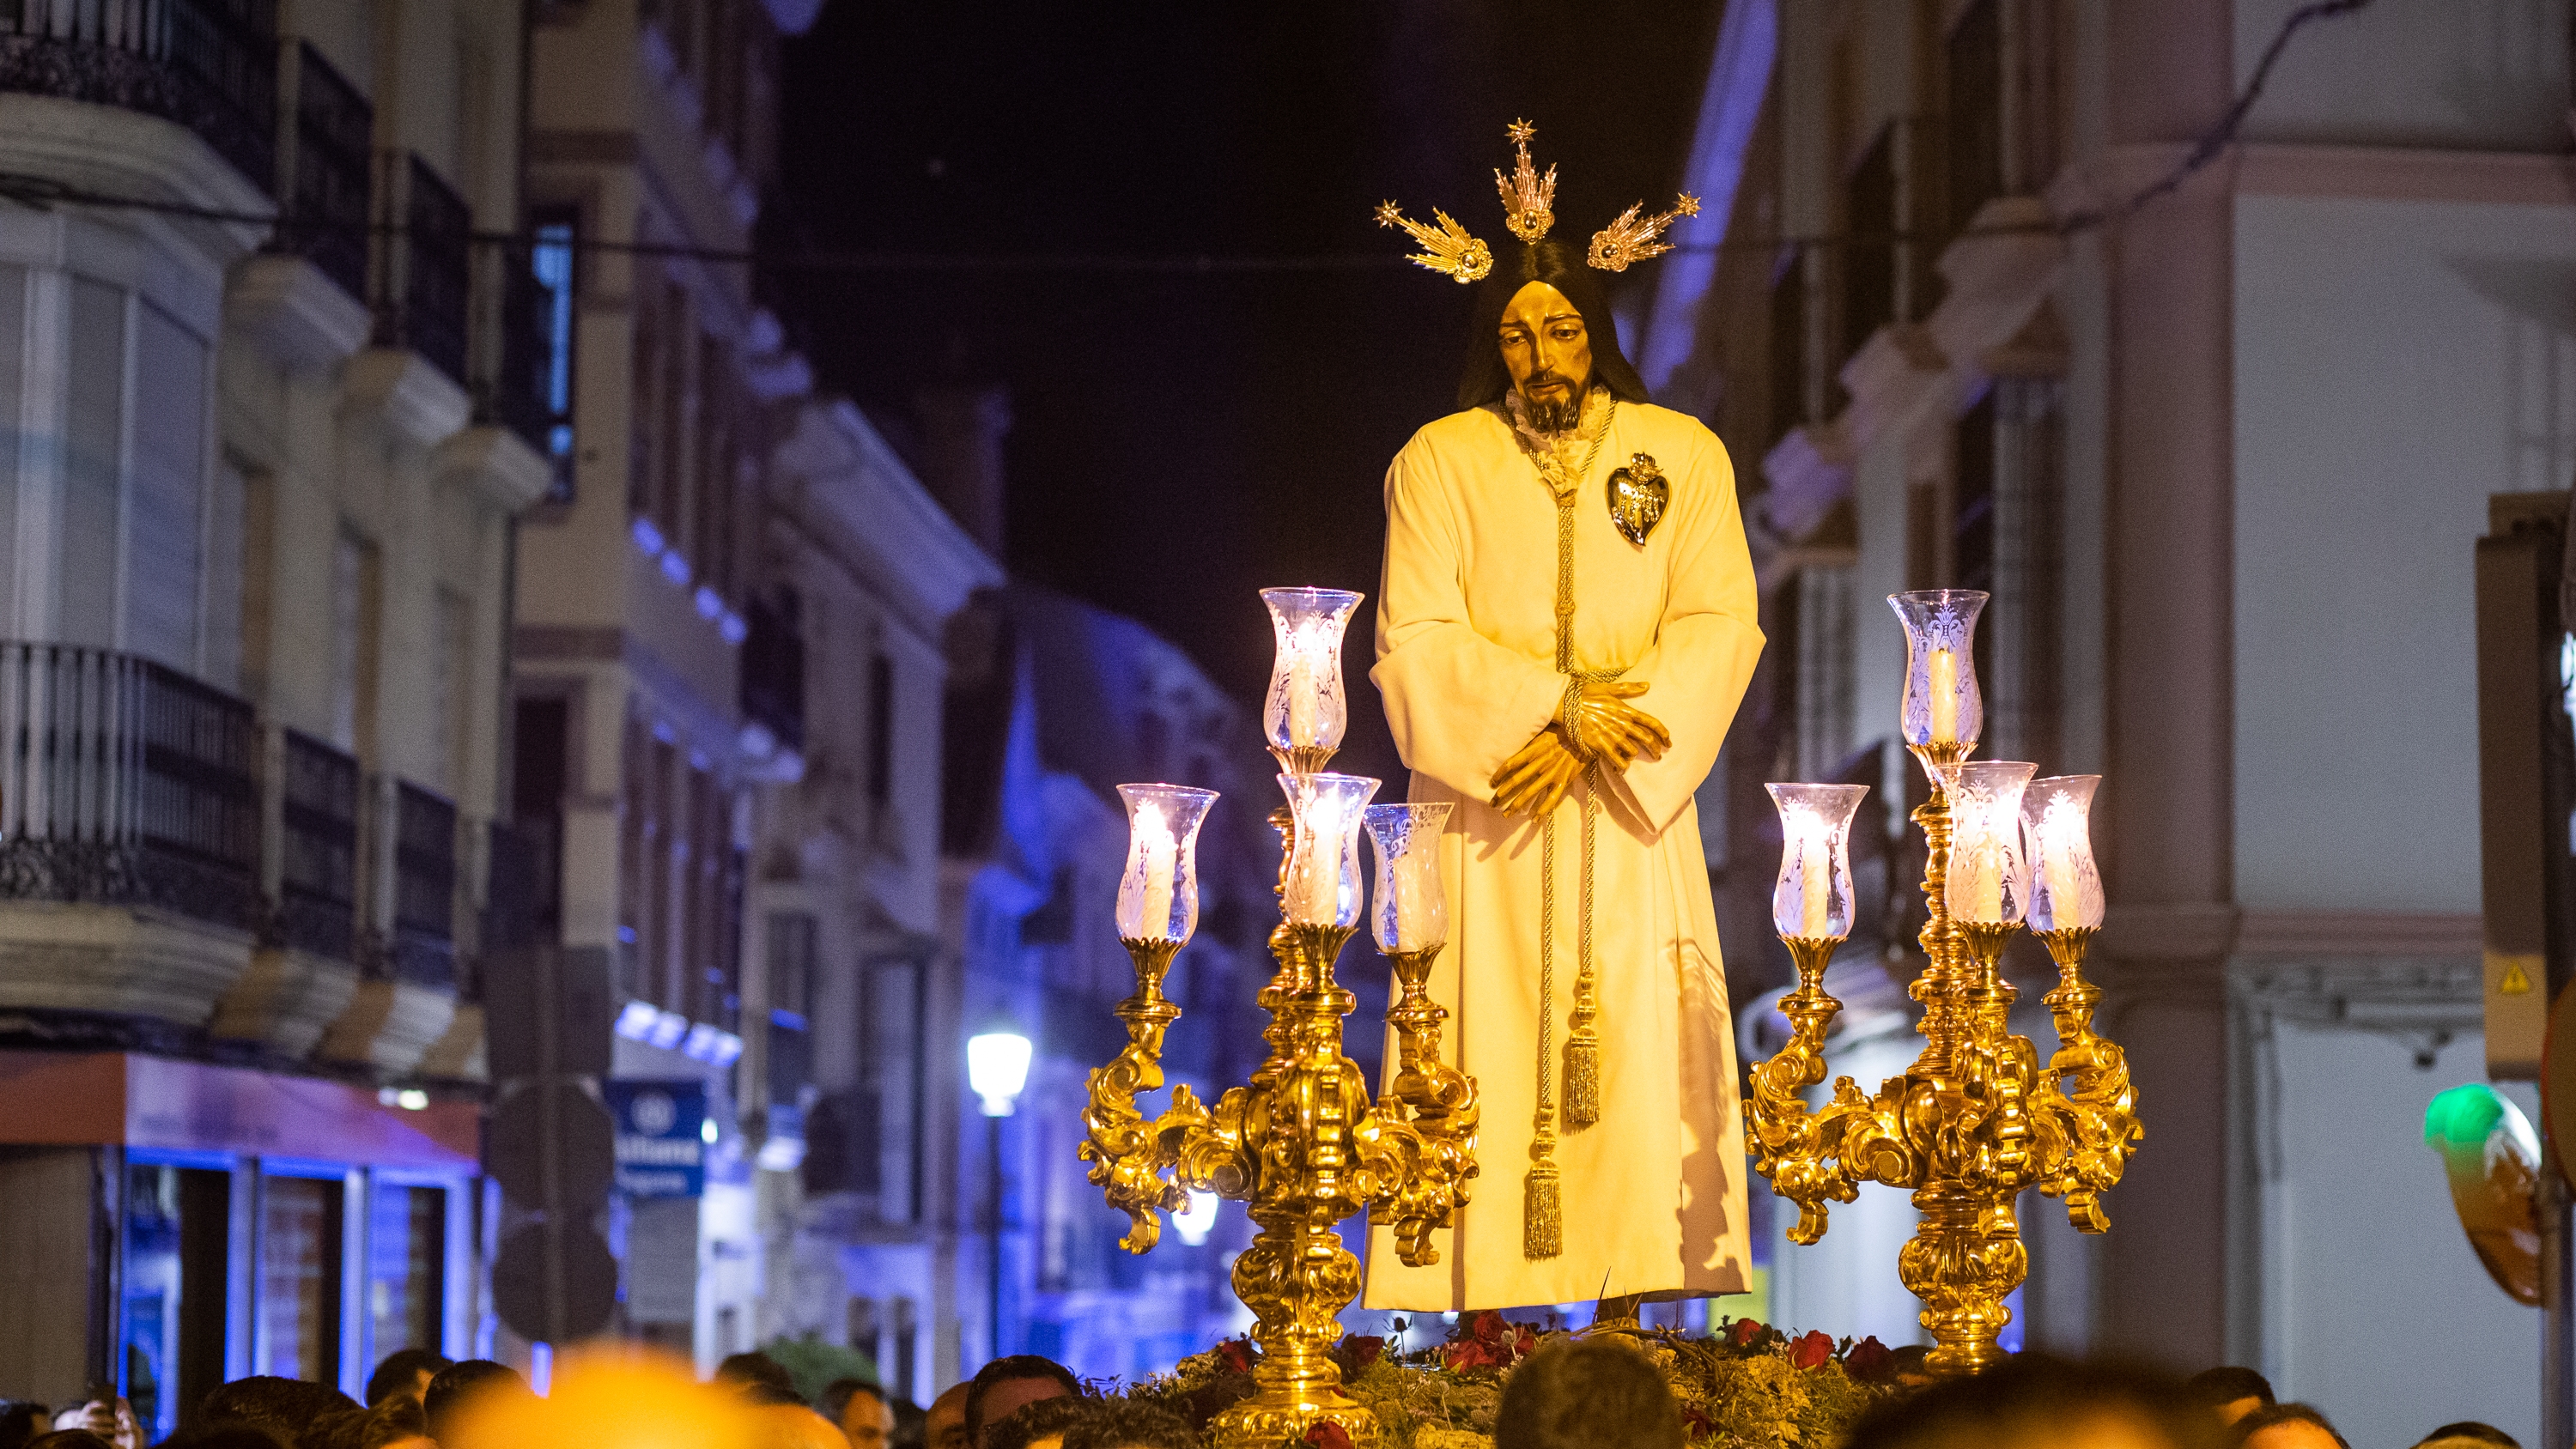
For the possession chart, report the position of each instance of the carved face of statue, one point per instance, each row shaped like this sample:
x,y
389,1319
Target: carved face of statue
x,y
1549,355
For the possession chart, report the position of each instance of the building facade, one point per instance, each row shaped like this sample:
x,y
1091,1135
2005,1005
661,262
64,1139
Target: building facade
x,y
2217,437
641,745
267,425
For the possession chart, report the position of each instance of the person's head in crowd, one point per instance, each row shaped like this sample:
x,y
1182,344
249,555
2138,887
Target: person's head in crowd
x,y
790,1426
2229,1392
395,1423
235,1435
1040,1425
1594,1394
761,1394
405,1371
862,1411
944,1426
105,1413
2033,1401
755,1368
2468,1434
1126,1424
279,1407
22,1421
999,1389
2286,1426
70,1439
463,1388
909,1425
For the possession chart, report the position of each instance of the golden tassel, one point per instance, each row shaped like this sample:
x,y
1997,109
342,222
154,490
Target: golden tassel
x,y
1542,1211
1582,1078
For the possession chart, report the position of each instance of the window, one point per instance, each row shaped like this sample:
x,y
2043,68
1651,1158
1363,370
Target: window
x,y
554,262
166,556
792,957
1869,243
93,465
299,1270
880,775
451,681
1788,347
177,1248
1972,524
406,1269
540,774
1973,127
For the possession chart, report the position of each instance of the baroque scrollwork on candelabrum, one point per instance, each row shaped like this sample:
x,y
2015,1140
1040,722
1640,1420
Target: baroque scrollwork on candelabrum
x,y
1978,1117
1302,1144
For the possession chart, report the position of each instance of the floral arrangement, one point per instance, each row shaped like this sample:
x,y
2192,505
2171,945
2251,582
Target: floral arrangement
x,y
1745,1386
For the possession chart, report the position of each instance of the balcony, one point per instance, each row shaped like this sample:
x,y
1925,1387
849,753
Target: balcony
x,y
125,783
425,285
424,938
328,185
318,881
207,65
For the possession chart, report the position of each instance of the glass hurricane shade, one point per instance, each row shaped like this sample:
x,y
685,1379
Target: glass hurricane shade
x,y
997,1067
1989,880
1305,707
1410,912
1324,886
2057,840
1942,706
1813,898
1158,893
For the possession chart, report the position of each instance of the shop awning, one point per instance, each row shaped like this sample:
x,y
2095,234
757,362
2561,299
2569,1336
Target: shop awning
x,y
133,1100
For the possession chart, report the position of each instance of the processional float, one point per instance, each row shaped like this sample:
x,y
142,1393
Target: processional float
x,y
1977,1118
1303,1144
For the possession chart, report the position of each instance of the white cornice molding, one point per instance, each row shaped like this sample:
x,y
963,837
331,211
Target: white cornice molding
x,y
494,464
2407,173
127,153
292,312
850,492
401,389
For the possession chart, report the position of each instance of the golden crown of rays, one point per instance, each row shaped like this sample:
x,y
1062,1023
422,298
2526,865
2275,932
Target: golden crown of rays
x,y
1529,199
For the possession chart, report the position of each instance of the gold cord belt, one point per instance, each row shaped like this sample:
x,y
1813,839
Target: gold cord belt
x,y
1542,1210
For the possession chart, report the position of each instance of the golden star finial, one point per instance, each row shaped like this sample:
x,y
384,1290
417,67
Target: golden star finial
x,y
1520,132
1389,214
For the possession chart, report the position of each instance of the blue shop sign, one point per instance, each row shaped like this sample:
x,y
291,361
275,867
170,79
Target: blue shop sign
x,y
661,1137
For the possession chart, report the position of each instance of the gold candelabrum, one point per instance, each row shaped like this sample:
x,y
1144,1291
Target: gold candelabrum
x,y
1977,1118
1302,1145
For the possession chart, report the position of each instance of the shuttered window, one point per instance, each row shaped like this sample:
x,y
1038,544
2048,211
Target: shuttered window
x,y
93,465
165,562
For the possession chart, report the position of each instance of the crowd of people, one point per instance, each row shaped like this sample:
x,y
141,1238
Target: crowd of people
x,y
1597,1393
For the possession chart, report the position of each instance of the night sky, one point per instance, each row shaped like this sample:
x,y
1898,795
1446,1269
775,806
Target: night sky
x,y
1183,440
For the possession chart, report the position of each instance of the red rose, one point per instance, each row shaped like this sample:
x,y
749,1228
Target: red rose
x,y
1365,1348
1868,1360
1457,1357
1236,1354
1527,1342
1328,1435
1811,1351
1490,1327
1743,1332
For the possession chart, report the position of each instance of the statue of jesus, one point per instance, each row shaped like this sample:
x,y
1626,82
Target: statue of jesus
x,y
1566,624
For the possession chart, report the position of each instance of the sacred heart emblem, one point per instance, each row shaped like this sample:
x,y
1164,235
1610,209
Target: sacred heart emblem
x,y
1638,493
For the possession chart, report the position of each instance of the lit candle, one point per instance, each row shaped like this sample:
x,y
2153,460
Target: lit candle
x,y
1945,697
1815,877
1158,855
1417,894
1318,886
1978,866
1302,688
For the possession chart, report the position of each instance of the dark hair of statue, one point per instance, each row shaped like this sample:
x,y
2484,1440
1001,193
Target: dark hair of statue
x,y
1562,267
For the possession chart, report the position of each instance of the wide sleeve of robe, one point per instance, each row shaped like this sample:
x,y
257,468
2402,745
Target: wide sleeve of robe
x,y
1458,703
1706,644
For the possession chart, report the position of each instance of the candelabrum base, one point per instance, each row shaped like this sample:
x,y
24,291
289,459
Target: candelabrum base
x,y
1973,1122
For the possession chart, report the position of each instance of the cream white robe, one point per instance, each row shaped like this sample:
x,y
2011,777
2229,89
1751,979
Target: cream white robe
x,y
1466,644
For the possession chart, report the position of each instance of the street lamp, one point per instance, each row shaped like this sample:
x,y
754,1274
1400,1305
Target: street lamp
x,y
997,1067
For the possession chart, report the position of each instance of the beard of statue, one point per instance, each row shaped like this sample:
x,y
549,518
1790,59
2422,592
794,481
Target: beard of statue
x,y
1556,412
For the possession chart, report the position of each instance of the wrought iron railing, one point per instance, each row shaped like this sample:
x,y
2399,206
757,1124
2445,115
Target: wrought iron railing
x,y
208,65
328,193
424,939
318,885
125,782
425,289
